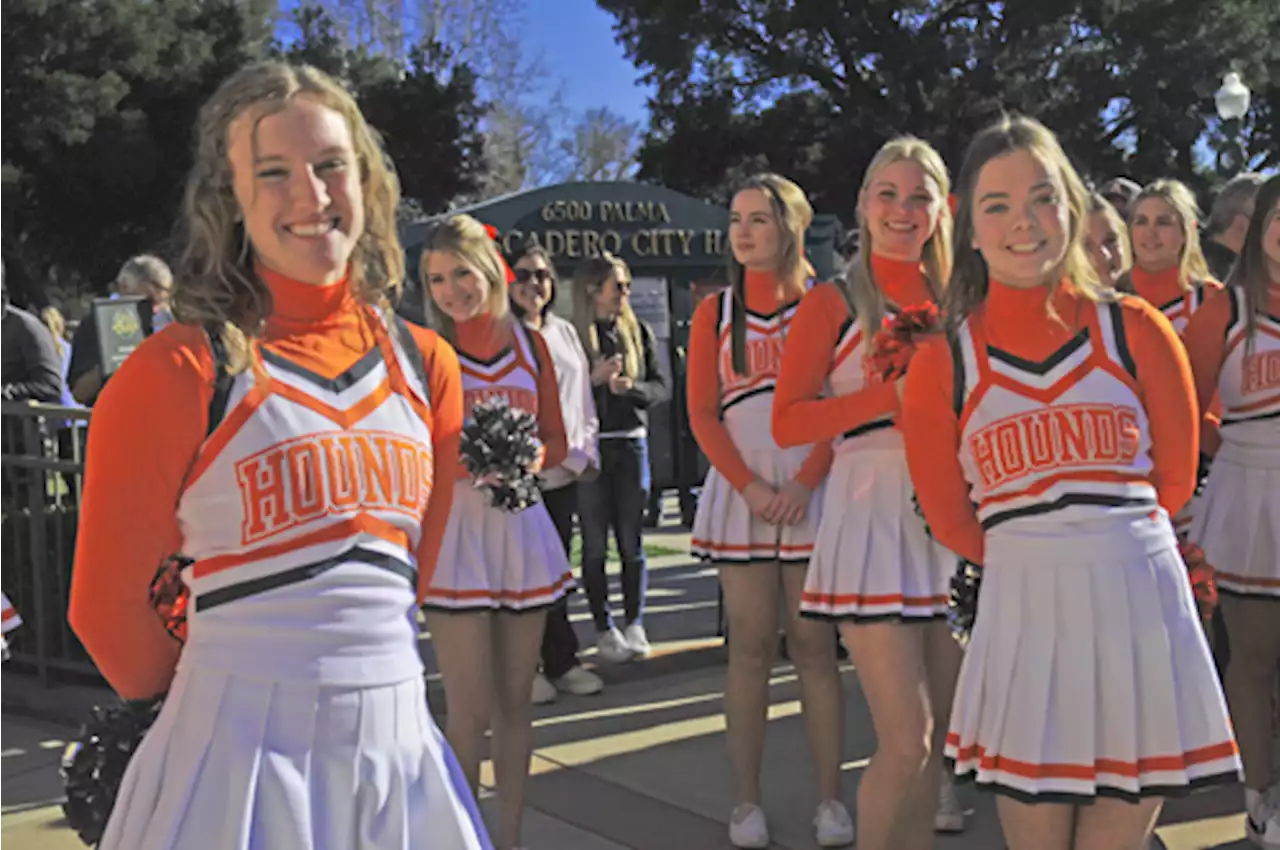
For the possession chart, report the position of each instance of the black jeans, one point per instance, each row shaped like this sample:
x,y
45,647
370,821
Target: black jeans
x,y
617,498
559,642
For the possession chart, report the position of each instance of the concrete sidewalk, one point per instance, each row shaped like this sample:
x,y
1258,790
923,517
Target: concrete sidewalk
x,y
641,766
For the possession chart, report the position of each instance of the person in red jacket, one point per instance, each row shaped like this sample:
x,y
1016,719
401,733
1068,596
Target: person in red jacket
x,y
875,571
1050,432
1234,345
298,444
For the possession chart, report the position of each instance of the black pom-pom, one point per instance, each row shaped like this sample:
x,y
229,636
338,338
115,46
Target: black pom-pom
x,y
93,766
915,506
962,606
499,445
1202,472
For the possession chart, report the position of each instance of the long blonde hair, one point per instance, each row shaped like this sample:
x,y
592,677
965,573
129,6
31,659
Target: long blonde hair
x,y
588,279
969,281
1192,267
214,283
467,239
794,214
866,299
1251,273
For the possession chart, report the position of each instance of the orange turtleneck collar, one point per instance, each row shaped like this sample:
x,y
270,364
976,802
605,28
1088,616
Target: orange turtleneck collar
x,y
482,336
1018,321
1157,288
902,281
300,307
764,292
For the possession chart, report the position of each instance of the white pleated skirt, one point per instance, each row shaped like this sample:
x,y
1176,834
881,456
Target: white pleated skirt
x,y
497,560
1087,673
724,528
873,559
238,763
1237,521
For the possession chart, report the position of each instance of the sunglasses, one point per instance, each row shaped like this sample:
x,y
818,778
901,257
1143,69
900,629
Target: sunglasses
x,y
526,275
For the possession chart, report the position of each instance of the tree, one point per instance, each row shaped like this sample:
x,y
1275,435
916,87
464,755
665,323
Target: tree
x,y
99,101
813,89
423,105
602,146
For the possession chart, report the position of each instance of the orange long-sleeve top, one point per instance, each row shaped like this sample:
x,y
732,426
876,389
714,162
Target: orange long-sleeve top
x,y
148,427
1161,288
800,413
1016,322
1206,338
483,338
763,297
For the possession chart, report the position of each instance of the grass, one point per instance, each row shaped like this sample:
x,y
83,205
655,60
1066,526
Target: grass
x,y
651,550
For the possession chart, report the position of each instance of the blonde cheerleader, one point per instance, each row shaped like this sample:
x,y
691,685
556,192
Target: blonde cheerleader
x,y
875,572
1049,433
758,512
499,571
285,435
1234,345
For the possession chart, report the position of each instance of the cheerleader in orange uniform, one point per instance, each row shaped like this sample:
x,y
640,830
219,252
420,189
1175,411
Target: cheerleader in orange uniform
x,y
499,571
1048,434
1234,345
286,436
9,620
758,511
875,571
1170,272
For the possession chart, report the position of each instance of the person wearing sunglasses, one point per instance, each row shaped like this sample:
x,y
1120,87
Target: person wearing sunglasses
x,y
533,295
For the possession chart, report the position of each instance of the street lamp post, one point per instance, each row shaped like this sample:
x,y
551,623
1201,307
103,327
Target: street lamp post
x,y
1232,102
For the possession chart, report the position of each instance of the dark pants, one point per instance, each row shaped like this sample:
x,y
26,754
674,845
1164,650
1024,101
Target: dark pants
x,y
617,499
559,642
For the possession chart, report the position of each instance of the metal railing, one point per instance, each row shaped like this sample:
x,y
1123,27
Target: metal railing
x,y
42,462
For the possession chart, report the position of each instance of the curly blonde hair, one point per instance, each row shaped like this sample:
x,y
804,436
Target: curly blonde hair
x,y
215,285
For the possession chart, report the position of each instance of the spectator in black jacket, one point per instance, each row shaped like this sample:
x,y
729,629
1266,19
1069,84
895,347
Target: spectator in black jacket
x,y
31,368
1228,221
627,377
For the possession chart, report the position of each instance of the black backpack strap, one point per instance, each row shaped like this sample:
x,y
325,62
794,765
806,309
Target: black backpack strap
x,y
414,351
958,377
222,379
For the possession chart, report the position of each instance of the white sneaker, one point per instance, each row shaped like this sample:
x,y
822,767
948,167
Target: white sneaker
x,y
637,640
747,827
543,691
1262,819
834,826
613,647
949,816
579,681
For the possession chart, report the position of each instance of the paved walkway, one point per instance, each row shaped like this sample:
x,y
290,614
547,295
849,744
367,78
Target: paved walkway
x,y
641,766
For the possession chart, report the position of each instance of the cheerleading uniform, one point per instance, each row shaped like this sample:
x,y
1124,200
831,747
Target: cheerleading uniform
x,y
1164,290
873,559
302,488
729,414
1238,519
493,559
9,620
1087,672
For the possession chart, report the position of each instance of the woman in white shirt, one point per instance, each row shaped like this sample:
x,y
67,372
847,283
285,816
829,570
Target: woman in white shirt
x,y
533,295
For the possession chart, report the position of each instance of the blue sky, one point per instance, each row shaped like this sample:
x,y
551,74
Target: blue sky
x,y
576,38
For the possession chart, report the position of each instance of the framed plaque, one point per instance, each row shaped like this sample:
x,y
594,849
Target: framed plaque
x,y
121,328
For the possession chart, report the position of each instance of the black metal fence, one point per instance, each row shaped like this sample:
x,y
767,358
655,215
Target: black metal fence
x,y
43,466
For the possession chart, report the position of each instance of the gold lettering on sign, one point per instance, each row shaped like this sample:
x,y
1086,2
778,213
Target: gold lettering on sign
x,y
590,243
553,241
572,243
686,242
611,241
712,241
636,239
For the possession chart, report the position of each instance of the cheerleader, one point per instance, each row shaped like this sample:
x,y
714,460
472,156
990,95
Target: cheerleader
x,y
499,571
758,512
1234,345
874,570
1106,241
284,435
9,620
1049,434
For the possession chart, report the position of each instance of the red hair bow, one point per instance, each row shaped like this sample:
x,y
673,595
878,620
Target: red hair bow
x,y
493,234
